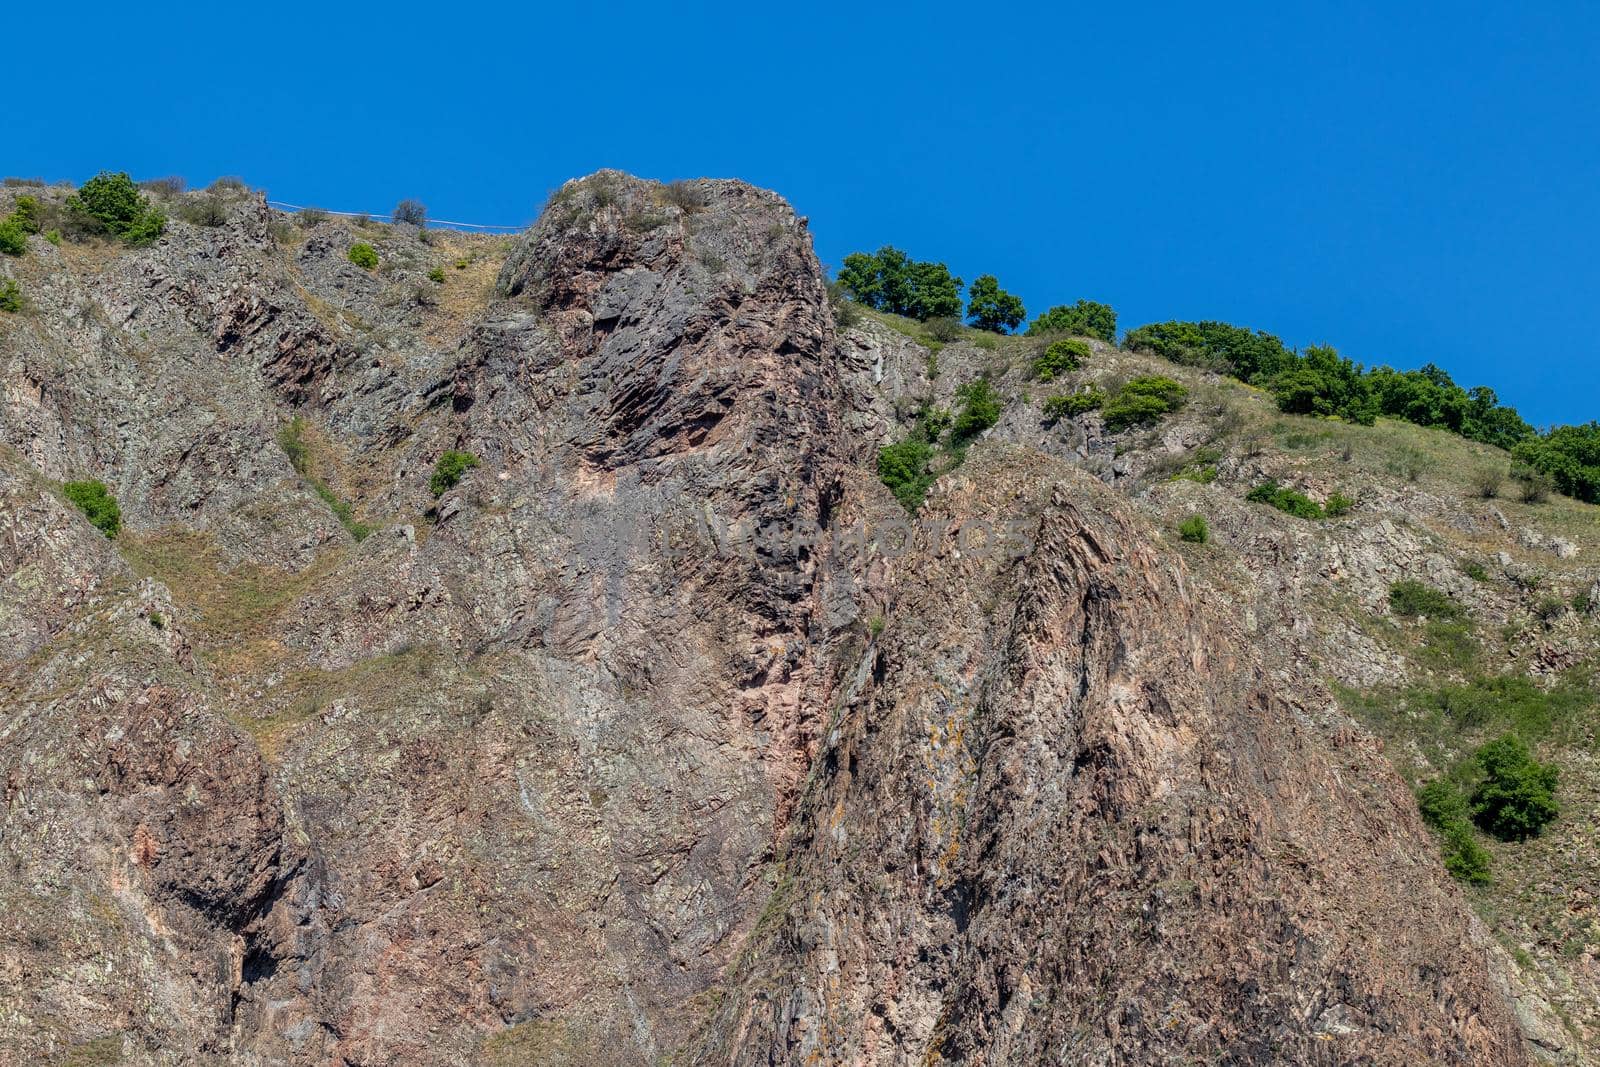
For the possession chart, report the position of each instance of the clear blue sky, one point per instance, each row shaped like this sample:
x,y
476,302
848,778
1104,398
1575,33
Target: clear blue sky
x,y
1407,182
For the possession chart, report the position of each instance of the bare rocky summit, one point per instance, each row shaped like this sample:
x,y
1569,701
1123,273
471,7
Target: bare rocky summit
x,y
666,736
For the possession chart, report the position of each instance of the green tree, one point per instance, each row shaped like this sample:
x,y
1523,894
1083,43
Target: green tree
x,y
991,308
1569,456
1516,797
1086,318
112,203
1251,355
889,280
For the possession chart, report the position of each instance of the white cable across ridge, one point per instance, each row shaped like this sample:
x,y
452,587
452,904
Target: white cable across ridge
x,y
380,216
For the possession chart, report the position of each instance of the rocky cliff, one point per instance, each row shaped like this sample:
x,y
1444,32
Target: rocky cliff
x,y
666,735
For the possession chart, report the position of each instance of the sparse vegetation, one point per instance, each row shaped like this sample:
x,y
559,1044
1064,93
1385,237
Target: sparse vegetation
x,y
363,255
207,210
686,196
95,501
937,444
292,439
310,216
167,188
451,467
1201,467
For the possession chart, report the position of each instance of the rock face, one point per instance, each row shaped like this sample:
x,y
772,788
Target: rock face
x,y
652,740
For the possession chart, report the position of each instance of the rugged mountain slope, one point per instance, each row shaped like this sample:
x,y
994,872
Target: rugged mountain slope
x,y
650,741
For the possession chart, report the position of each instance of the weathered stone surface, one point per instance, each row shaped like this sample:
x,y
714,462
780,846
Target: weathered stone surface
x,y
647,740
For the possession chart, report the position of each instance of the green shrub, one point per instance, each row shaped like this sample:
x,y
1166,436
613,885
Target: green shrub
x,y
1086,318
95,501
1516,798
1337,504
1059,358
111,203
979,410
905,468
991,308
436,275
944,329
450,469
53,236
1549,609
1410,599
363,255
1442,804
889,280
1071,405
27,214
1444,809
1475,570
1464,858
1142,401
13,240
10,296
1289,501
1194,530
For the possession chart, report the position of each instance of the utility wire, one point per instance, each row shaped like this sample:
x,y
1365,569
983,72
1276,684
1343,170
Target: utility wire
x,y
380,216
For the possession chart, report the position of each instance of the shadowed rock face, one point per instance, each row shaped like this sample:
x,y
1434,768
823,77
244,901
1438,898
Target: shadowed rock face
x,y
597,758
